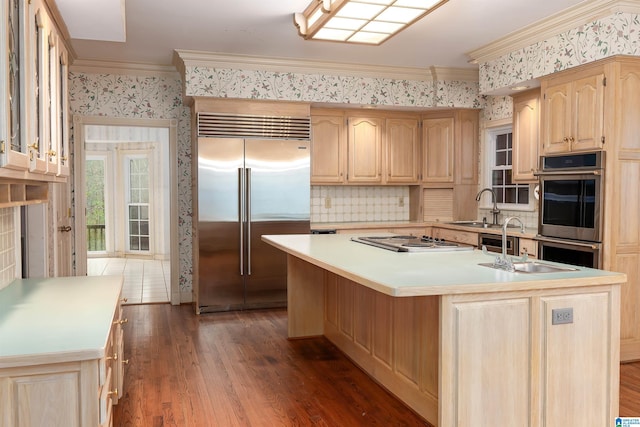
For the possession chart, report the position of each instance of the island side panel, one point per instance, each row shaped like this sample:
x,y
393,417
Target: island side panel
x,y
393,339
305,298
503,362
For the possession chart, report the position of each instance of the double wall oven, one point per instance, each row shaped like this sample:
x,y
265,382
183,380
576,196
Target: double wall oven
x,y
571,203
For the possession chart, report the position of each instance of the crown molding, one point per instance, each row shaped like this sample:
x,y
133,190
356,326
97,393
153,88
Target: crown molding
x,y
190,58
580,14
126,68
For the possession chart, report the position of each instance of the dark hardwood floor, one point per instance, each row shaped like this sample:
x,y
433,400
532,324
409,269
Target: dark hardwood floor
x,y
239,369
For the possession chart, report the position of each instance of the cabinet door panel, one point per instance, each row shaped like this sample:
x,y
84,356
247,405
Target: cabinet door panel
x,y
490,339
365,150
557,119
328,150
437,150
588,114
466,148
526,111
402,150
566,373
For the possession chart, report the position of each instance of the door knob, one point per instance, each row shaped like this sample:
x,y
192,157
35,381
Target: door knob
x,y
64,228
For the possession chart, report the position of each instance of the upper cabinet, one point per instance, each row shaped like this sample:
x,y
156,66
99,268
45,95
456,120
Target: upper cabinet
x,y
364,139
466,147
438,149
13,111
328,149
374,149
526,135
573,111
403,146
33,83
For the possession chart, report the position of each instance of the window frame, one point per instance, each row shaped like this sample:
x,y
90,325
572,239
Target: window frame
x,y
490,135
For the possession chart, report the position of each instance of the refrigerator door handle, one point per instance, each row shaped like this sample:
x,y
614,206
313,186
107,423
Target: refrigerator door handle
x,y
241,216
248,202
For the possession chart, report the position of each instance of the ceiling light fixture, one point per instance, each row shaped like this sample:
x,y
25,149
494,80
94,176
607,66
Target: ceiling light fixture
x,y
360,21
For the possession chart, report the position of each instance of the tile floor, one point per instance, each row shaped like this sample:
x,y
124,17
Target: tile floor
x,y
145,281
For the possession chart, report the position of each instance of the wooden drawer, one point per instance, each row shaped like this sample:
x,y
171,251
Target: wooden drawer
x,y
465,237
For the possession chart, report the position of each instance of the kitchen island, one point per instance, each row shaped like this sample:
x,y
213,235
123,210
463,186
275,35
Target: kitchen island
x,y
460,343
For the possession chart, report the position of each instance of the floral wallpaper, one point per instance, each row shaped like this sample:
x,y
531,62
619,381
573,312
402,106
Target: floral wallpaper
x,y
617,34
146,97
290,86
497,108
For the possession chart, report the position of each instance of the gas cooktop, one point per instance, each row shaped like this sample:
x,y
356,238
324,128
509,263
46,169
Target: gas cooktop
x,y
411,243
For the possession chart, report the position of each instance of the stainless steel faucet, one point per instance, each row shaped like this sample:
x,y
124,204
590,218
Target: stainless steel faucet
x,y
495,211
504,262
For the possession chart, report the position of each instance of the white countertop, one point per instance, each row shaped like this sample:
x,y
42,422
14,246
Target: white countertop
x,y
61,319
425,273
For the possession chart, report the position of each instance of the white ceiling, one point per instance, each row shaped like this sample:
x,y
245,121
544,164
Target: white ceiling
x,y
154,28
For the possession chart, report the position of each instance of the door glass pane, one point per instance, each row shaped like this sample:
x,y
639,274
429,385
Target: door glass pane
x,y
138,208
95,181
14,75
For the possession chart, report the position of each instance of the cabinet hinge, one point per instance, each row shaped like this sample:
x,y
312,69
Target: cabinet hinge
x,y
604,81
1,147
602,139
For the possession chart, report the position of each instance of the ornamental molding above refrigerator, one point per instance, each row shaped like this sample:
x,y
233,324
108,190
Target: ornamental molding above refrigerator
x,y
253,178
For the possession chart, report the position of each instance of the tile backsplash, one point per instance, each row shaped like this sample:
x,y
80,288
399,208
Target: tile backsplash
x,y
359,203
529,218
7,247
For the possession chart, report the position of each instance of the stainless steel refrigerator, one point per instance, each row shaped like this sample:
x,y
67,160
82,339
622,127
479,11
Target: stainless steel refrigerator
x,y
247,188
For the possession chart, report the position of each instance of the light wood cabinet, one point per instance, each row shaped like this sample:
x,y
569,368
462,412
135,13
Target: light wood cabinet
x,y
402,151
573,111
466,148
364,140
328,150
34,116
526,135
610,110
457,236
621,234
438,149
63,381
350,149
528,247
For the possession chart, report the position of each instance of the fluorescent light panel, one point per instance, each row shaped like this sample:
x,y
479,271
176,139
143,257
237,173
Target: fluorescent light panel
x,y
360,21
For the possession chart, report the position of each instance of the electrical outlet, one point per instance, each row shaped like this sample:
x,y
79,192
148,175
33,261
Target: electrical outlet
x,y
327,202
401,201
560,316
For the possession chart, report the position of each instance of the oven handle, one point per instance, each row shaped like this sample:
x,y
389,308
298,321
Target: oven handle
x,y
572,172
569,242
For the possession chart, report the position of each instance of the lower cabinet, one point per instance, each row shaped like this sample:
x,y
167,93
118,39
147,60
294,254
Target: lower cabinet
x,y
551,373
65,393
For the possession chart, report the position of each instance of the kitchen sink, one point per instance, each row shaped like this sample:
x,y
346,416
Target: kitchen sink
x,y
532,267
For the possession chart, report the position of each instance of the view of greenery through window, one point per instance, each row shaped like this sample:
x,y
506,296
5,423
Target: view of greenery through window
x,y
95,205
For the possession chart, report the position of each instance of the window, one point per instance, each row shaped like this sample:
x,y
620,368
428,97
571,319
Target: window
x,y
499,160
138,206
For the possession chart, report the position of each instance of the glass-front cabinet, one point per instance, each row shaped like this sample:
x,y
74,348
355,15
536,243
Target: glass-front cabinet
x,y
13,147
33,86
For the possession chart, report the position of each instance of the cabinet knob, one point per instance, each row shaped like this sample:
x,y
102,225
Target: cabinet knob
x,y
124,300
571,139
114,357
125,362
113,392
121,322
33,146
565,139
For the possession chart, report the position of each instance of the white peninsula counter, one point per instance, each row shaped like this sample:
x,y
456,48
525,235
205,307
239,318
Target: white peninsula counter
x,y
463,344
61,348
